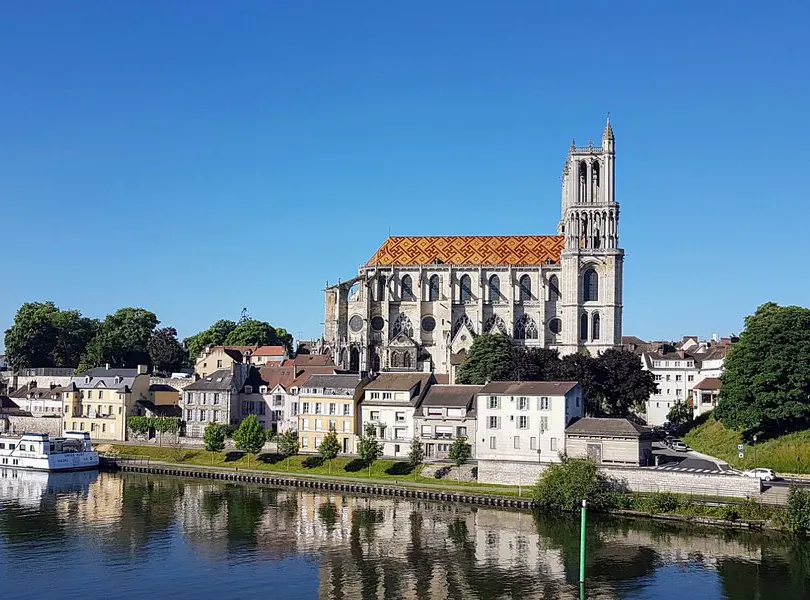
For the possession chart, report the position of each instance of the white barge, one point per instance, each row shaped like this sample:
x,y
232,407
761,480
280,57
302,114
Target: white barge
x,y
40,452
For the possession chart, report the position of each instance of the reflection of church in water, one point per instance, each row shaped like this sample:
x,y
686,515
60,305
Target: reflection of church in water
x,y
421,299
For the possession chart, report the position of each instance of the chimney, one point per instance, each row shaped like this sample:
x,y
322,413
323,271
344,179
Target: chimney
x,y
714,337
32,384
107,366
142,370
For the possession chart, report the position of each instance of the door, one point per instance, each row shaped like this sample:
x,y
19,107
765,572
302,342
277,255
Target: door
x,y
345,445
429,450
595,453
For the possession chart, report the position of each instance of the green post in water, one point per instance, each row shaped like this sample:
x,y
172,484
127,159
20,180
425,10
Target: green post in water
x,y
582,544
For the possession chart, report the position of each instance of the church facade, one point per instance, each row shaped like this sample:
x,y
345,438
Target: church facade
x,y
419,300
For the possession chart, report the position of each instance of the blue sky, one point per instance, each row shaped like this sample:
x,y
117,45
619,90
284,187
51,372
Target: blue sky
x,y
197,158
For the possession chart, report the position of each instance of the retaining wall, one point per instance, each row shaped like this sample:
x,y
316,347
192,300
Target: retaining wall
x,y
19,424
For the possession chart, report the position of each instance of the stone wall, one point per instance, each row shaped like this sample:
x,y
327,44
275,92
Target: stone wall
x,y
17,424
177,384
637,480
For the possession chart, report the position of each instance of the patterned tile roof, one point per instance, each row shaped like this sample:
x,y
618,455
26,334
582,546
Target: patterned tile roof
x,y
469,250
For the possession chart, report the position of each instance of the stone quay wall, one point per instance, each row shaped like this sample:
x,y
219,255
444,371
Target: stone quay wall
x,y
21,424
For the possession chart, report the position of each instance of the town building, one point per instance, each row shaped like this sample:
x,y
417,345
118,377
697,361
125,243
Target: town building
x,y
678,368
420,299
213,398
389,405
268,356
525,420
38,401
100,400
214,358
329,402
446,414
705,395
609,441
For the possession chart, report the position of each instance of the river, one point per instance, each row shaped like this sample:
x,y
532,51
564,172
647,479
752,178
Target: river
x,y
93,536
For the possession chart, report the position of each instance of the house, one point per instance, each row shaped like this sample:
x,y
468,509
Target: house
x,y
525,421
609,441
213,358
163,394
310,360
101,399
213,399
446,413
268,355
705,395
8,406
329,402
389,404
39,401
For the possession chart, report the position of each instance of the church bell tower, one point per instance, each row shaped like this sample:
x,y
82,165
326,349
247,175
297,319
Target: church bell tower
x,y
592,261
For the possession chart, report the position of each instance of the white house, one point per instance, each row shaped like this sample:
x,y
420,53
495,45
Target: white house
x,y
389,403
525,421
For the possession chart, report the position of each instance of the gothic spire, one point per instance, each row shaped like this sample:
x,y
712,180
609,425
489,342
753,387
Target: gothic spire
x,y
608,135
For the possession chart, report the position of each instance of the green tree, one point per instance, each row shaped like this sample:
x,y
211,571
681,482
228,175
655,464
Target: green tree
x,y
250,436
122,340
588,372
369,447
330,447
564,485
288,445
680,414
460,452
214,438
491,358
166,353
798,510
42,335
766,382
251,332
539,364
213,336
416,456
624,385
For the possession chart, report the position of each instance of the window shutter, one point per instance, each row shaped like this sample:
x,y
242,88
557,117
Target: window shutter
x,y
499,422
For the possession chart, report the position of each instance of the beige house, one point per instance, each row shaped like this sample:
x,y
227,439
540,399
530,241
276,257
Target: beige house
x,y
214,358
100,400
268,356
609,441
329,402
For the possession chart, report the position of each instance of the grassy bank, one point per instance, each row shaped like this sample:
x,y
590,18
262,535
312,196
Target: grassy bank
x,y
382,471
786,454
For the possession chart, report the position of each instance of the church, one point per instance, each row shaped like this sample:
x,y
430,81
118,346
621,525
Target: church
x,y
420,300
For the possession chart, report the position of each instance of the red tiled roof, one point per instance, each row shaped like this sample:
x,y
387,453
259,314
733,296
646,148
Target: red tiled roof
x,y
269,351
709,384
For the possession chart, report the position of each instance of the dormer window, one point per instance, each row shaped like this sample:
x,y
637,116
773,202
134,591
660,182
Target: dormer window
x,y
263,389
87,379
117,380
248,389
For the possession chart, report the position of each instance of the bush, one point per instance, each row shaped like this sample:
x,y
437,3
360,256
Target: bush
x,y
729,512
563,486
798,510
661,502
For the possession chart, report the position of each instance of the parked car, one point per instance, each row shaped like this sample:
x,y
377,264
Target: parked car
x,y
668,441
679,446
760,473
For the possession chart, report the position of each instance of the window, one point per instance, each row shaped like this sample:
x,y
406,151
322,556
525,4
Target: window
x,y
492,443
543,423
332,425
318,424
215,416
678,392
595,326
386,396
552,445
543,403
434,412
347,410
305,442
375,415
465,289
248,389
400,433
332,408
381,283
678,378
407,289
525,285
203,398
494,402
590,286
103,428
657,377
523,422
516,442
690,378
402,325
202,415
533,443
305,407
375,395
583,327
690,363
494,288
347,426
525,328
305,424
400,417
553,288
555,326
219,364
461,432
433,288
657,391
492,423
669,377
427,430
317,408
216,398
189,415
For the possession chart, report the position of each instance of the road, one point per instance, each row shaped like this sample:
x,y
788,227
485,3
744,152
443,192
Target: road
x,y
670,460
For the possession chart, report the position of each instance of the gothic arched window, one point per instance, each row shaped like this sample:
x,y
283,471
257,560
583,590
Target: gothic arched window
x,y
354,360
463,320
403,325
553,288
342,359
381,288
494,289
583,327
375,362
433,288
395,359
590,286
525,288
465,288
495,325
406,360
407,289
525,328
595,326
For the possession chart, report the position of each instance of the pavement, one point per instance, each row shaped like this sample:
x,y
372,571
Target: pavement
x,y
690,461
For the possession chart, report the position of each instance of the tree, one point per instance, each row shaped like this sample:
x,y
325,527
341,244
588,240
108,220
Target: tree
x,y
214,438
680,414
213,336
625,386
42,335
416,456
564,485
288,445
330,447
250,436
460,452
588,372
766,382
490,359
251,332
122,340
166,353
542,364
369,447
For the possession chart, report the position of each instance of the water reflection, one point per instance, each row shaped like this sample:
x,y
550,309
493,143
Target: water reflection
x,y
374,547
